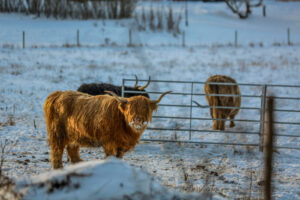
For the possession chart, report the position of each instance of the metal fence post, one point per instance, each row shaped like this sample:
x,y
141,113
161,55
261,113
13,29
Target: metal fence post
x,y
23,39
123,83
130,37
236,38
288,36
262,116
191,110
183,39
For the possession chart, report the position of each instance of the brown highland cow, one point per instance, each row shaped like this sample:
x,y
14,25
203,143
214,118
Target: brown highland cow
x,y
75,120
224,101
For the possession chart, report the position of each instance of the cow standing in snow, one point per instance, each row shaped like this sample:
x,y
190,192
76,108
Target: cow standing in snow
x,y
218,114
75,120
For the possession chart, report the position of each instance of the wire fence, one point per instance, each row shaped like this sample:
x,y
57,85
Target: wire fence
x,y
252,113
132,38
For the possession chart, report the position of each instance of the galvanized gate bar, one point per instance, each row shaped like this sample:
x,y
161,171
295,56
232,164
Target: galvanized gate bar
x,y
215,143
199,118
216,131
288,98
261,110
223,107
276,85
201,94
284,135
199,130
290,123
196,94
283,147
281,110
198,142
197,82
217,83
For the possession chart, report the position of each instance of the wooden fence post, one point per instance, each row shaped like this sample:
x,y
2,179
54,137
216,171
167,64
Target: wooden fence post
x,y
77,38
268,150
262,117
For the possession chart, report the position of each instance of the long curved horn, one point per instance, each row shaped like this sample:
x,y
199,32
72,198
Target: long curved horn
x,y
116,96
160,97
136,81
144,87
198,104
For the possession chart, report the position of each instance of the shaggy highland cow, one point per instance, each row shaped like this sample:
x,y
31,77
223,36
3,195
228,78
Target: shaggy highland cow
x,y
99,88
75,120
224,101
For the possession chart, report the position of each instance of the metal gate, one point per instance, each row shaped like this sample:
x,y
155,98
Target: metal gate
x,y
287,112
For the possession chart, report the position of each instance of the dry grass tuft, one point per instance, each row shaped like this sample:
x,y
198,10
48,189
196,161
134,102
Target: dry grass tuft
x,y
9,122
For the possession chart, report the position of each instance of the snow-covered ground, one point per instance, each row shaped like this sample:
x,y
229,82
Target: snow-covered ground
x,y
29,75
111,179
209,23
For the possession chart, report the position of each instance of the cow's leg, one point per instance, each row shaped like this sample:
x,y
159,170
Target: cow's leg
x,y
56,154
57,143
109,150
231,120
120,152
73,153
213,113
220,123
57,140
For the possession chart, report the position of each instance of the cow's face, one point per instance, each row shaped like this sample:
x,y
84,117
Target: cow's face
x,y
137,112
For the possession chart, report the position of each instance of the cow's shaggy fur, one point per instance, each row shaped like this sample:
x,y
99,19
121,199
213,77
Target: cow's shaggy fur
x,y
99,88
75,120
224,101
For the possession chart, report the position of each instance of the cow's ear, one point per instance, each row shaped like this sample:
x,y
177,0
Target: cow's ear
x,y
153,106
122,106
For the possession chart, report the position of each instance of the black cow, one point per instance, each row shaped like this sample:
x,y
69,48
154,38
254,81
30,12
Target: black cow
x,y
99,88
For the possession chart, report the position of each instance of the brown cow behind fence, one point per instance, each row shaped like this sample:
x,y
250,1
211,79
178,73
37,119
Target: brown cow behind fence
x,y
226,101
75,120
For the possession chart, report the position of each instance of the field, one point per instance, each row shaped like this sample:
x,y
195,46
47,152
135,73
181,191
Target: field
x,y
29,75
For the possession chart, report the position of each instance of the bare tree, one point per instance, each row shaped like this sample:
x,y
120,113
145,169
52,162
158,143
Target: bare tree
x,y
243,7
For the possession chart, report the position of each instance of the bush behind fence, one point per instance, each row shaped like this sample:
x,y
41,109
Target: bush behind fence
x,y
76,9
